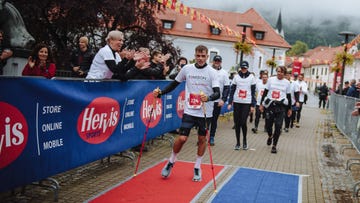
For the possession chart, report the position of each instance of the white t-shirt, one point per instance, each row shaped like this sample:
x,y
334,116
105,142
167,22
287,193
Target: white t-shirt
x,y
303,90
198,80
277,89
243,88
98,68
294,87
223,81
260,87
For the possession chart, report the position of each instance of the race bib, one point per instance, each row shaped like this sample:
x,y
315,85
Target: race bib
x,y
261,92
242,94
194,101
275,94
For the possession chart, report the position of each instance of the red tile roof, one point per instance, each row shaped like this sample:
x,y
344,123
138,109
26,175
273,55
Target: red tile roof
x,y
230,19
317,56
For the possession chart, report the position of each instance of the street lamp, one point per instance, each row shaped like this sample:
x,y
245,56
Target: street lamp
x,y
243,36
346,34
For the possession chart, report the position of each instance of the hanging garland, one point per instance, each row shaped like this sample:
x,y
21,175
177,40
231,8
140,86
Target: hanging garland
x,y
271,63
339,59
243,47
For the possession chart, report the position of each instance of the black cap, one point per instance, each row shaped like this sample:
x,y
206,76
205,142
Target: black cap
x,y
217,58
296,74
244,64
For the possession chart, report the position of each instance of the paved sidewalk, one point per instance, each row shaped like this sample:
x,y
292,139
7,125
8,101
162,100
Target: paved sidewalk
x,y
301,151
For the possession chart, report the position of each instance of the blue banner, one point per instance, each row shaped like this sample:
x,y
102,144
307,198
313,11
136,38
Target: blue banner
x,y
51,126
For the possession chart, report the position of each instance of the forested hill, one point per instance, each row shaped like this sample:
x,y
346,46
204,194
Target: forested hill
x,y
323,33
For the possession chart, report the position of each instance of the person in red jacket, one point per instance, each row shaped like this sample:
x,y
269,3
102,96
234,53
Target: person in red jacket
x,y
40,63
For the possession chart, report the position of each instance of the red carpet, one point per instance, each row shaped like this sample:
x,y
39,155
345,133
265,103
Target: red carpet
x,y
149,186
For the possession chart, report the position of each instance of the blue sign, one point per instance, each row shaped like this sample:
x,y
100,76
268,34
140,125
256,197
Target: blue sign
x,y
51,126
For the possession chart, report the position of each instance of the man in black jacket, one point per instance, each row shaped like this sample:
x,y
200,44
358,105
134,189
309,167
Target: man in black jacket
x,y
323,93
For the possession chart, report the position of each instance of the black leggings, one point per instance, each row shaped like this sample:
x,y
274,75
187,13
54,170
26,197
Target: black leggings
x,y
241,113
274,117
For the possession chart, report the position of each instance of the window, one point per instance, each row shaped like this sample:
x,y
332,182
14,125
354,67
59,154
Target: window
x,y
188,26
313,71
168,24
215,31
260,59
325,71
259,35
212,54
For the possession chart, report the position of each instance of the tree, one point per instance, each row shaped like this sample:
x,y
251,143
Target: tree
x,y
298,48
61,22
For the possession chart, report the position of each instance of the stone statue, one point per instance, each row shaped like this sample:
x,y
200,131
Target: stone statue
x,y
13,25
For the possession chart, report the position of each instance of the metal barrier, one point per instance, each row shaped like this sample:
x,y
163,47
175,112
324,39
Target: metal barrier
x,y
342,106
348,125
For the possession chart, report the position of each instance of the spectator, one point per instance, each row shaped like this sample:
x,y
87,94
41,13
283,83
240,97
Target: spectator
x,y
323,93
182,61
345,88
132,61
107,61
5,51
353,90
40,63
81,58
157,69
356,111
224,93
201,89
243,94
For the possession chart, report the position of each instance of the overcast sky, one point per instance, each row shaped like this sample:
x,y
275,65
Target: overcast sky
x,y
290,9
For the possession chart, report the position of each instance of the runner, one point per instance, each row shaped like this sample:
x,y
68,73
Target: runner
x,y
201,85
243,94
224,93
260,87
294,89
276,99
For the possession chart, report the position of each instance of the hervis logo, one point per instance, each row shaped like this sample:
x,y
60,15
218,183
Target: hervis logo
x,y
180,104
98,120
13,134
147,109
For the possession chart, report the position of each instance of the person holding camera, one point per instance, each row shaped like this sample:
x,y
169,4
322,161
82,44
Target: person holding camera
x,y
182,61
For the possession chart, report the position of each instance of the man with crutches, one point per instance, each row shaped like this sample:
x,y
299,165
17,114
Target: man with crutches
x,y
201,88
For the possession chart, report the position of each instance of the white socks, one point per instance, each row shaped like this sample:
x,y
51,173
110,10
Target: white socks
x,y
173,157
198,162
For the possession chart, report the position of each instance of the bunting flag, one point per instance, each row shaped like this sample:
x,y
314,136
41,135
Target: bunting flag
x,y
173,4
179,7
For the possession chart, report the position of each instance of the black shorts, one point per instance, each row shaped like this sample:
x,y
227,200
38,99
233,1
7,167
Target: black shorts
x,y
188,122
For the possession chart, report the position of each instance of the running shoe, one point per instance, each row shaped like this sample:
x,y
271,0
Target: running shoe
x,y
269,141
245,147
254,130
197,175
237,147
273,150
212,141
165,172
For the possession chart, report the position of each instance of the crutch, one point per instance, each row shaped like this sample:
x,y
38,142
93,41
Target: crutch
x,y
209,147
144,138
